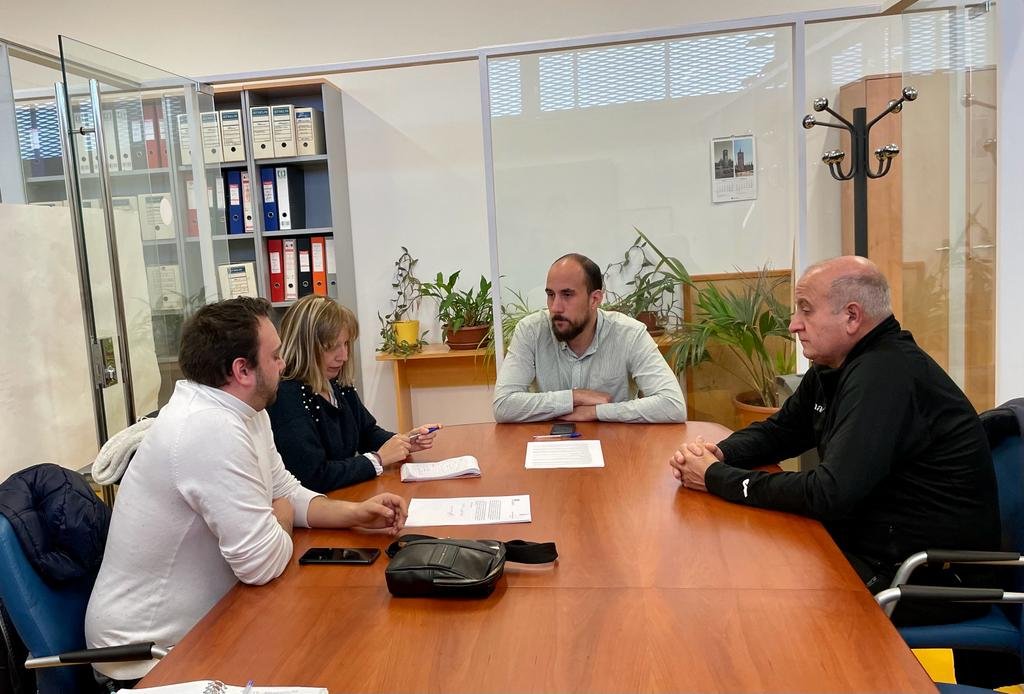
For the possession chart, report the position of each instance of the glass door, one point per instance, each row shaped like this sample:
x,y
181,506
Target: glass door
x,y
949,184
143,227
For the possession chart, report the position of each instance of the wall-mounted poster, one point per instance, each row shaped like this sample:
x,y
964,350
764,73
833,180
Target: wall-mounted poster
x,y
733,172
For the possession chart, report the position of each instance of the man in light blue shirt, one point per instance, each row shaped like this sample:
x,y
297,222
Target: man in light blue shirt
x,y
577,362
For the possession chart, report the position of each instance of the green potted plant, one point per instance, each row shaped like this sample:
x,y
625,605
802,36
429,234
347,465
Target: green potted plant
x,y
465,315
651,295
750,324
512,312
399,332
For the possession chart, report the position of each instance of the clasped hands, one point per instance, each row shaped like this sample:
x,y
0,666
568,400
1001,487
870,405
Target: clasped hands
x,y
692,460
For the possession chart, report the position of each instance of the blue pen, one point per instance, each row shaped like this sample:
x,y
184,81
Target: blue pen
x,y
430,430
248,687
552,437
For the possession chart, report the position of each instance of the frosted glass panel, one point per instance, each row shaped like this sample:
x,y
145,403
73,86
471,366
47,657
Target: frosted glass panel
x,y
615,137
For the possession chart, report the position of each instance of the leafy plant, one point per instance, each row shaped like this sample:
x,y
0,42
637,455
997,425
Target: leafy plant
x,y
744,322
457,309
408,293
390,344
407,287
514,311
650,290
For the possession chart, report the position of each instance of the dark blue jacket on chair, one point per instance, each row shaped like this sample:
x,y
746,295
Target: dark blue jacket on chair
x,y
52,532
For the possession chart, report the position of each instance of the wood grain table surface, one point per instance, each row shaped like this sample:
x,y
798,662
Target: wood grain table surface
x,y
656,588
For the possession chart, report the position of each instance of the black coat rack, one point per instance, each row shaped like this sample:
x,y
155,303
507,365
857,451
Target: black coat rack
x,y
860,172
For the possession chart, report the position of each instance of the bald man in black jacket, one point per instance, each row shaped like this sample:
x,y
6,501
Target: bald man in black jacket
x,y
905,465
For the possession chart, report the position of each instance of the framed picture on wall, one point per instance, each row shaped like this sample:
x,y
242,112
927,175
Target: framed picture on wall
x,y
733,168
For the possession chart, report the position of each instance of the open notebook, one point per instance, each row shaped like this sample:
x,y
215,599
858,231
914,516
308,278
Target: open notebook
x,y
450,468
218,687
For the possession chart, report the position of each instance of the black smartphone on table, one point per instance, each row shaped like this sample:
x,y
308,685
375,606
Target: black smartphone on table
x,y
562,428
340,555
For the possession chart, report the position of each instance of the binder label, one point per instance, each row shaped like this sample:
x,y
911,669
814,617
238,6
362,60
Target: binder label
x,y
303,261
234,194
275,263
261,132
268,191
318,257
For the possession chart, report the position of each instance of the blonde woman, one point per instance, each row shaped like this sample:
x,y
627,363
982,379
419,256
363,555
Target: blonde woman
x,y
325,435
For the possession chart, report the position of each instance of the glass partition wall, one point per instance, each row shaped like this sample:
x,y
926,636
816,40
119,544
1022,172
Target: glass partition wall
x,y
592,143
586,143
688,139
931,220
146,236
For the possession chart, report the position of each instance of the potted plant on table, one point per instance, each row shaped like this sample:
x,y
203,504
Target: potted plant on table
x,y
465,315
399,331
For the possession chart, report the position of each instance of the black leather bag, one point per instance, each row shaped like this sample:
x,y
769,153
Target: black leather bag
x,y
428,566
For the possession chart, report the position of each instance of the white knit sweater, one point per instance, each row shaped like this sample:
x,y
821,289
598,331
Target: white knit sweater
x,y
193,516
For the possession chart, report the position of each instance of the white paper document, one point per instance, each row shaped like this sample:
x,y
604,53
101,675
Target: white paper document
x,y
469,510
450,468
555,454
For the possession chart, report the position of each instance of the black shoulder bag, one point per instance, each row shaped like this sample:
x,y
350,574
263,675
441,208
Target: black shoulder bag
x,y
429,566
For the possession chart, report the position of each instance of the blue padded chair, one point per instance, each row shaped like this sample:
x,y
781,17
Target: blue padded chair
x,y
49,617
1000,630
48,620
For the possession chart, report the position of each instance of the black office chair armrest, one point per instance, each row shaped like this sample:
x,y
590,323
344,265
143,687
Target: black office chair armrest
x,y
952,594
952,556
110,654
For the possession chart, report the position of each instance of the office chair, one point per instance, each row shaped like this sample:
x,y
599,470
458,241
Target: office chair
x,y
49,617
1001,630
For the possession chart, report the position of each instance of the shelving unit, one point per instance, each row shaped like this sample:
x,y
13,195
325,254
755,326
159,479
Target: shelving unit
x,y
324,175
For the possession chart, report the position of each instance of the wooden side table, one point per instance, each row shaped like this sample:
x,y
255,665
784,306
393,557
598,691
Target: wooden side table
x,y
436,366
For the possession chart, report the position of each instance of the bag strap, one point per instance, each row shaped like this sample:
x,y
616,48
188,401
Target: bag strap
x,y
403,540
518,551
523,552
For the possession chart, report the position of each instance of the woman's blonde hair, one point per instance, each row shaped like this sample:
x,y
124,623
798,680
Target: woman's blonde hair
x,y
310,327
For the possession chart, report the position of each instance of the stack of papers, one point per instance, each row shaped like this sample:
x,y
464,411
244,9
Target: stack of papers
x,y
555,454
470,510
451,468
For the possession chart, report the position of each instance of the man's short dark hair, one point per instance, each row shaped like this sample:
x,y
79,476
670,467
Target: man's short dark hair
x,y
591,272
218,334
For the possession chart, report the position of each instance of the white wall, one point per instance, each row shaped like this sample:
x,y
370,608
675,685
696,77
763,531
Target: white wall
x,y
198,37
1009,327
415,161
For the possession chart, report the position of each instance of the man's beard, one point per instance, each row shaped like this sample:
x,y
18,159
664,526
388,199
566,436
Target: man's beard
x,y
263,390
570,332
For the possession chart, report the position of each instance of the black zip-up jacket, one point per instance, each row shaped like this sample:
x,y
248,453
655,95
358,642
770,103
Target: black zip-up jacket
x,y
323,445
905,465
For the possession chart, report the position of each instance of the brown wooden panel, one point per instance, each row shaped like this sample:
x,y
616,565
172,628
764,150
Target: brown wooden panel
x,y
656,588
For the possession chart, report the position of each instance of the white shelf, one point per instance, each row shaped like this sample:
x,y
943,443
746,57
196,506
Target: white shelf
x,y
304,159
318,231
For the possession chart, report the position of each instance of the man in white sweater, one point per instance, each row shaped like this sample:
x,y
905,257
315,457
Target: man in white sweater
x,y
206,501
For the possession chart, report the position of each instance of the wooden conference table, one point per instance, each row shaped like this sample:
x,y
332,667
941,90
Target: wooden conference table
x,y
656,588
